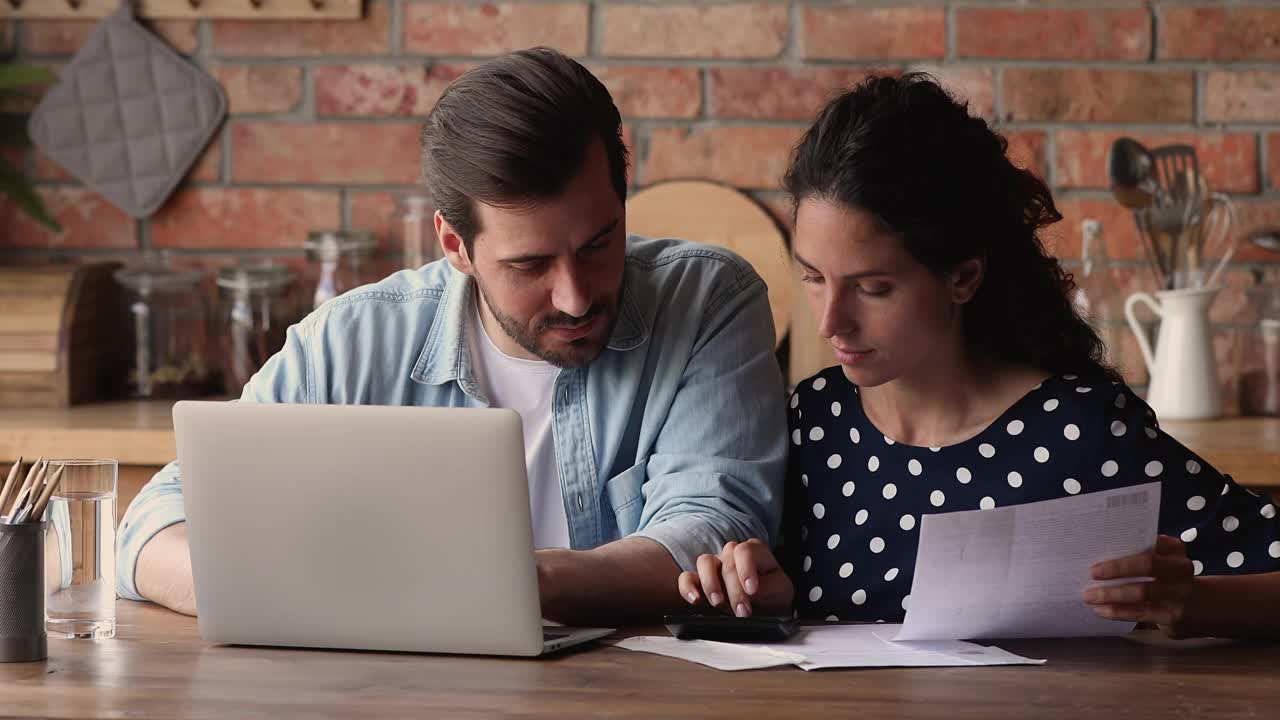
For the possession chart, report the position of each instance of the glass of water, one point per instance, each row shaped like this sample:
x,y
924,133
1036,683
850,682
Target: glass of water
x,y
82,522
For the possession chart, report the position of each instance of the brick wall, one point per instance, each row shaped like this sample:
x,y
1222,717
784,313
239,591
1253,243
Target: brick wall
x,y
324,116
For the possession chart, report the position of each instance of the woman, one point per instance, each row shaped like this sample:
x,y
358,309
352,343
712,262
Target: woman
x,y
966,381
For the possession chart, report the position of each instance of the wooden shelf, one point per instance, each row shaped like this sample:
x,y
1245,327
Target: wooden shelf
x,y
133,432
1247,449
141,433
186,9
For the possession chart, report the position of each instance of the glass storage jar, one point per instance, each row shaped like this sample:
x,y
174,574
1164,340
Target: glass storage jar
x,y
413,231
255,310
171,332
1259,380
340,261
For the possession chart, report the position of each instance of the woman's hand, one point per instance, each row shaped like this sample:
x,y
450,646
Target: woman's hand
x,y
743,579
1162,601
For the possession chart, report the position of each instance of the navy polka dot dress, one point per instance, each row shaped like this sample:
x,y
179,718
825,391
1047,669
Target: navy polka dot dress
x,y
855,497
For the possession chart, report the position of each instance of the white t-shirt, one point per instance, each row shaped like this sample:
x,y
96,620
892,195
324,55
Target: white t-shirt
x,y
528,387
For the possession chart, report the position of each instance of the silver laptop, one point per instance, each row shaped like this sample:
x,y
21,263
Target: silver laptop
x,y
362,527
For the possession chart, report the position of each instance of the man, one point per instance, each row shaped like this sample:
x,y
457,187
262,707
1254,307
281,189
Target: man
x,y
643,370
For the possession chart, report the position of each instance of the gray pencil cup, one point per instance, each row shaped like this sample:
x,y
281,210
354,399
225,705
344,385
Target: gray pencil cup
x,y
22,634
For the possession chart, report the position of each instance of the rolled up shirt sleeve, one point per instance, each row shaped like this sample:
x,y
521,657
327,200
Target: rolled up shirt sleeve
x,y
716,473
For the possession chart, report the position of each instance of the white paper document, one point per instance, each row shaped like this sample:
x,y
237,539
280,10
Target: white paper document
x,y
1019,571
872,646
829,646
719,655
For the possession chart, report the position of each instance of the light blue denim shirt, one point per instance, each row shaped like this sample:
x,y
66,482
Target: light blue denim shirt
x,y
676,432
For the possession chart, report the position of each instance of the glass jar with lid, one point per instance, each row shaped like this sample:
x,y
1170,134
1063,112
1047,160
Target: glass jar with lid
x,y
170,331
1259,379
341,260
255,311
413,230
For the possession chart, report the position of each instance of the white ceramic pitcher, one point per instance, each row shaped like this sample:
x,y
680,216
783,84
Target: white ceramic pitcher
x,y
1184,373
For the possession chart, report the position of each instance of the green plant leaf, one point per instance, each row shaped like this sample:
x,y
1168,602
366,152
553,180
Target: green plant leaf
x,y
16,186
14,76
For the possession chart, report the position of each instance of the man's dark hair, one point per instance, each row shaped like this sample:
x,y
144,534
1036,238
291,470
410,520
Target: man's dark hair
x,y
513,132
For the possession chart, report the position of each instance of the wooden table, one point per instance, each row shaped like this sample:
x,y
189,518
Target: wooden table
x,y
140,435
158,667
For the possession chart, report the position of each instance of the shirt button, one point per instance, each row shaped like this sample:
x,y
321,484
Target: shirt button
x,y
579,501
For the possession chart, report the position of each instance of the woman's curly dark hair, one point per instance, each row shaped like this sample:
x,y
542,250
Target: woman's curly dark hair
x,y
907,152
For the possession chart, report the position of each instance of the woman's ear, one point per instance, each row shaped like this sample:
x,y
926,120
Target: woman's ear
x,y
965,280
455,250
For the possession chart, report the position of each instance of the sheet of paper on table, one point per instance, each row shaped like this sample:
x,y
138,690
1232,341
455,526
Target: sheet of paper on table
x,y
829,646
719,655
1019,571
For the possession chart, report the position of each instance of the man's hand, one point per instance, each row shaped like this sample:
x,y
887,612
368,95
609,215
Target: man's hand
x,y
626,581
1162,602
163,575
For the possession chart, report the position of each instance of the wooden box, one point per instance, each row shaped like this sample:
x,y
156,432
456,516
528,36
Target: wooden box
x,y
64,335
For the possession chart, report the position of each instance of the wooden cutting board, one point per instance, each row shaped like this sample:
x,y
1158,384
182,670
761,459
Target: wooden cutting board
x,y
720,215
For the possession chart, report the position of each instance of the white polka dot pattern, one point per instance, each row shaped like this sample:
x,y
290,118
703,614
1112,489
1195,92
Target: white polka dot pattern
x,y
1056,442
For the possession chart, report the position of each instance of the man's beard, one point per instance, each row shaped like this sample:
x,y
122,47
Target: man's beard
x,y
579,353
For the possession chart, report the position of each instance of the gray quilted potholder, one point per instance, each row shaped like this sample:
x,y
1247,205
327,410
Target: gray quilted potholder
x,y
128,115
